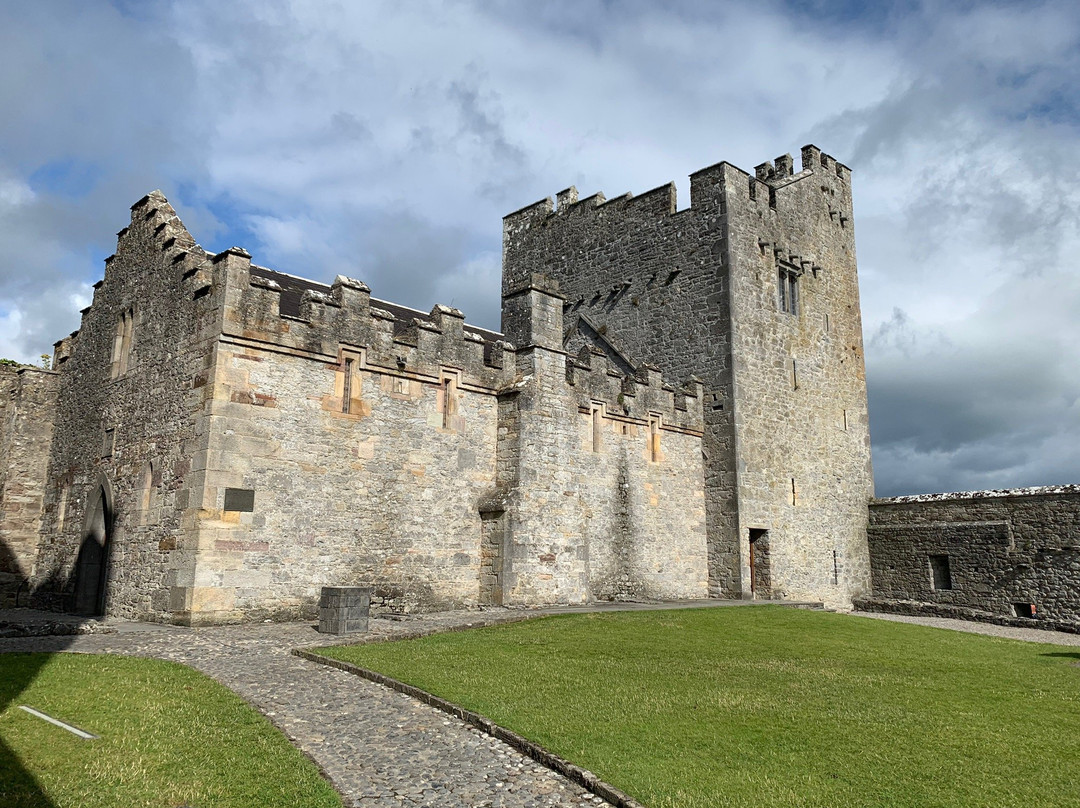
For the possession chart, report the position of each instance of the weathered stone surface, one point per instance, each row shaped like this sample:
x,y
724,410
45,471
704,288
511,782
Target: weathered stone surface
x,y
696,292
1003,548
344,609
27,402
230,440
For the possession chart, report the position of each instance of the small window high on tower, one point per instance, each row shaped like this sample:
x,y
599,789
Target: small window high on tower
x,y
788,283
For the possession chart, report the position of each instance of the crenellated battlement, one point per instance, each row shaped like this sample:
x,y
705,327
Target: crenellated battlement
x,y
638,397
661,202
303,315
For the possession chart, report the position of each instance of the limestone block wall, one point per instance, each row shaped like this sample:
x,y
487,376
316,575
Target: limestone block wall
x,y
1001,548
362,448
126,421
603,475
27,408
696,292
801,422
385,493
650,281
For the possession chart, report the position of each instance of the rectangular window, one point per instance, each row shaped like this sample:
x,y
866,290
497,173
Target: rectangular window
x,y
240,499
788,283
939,568
346,395
654,438
107,442
1024,610
125,332
597,426
448,398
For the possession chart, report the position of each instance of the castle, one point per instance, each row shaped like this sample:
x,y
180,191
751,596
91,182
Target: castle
x,y
675,409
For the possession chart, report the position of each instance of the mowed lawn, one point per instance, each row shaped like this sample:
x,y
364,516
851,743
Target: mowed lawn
x,y
769,706
169,736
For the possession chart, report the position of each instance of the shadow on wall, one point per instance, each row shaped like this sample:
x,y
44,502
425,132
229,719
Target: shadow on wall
x,y
81,592
18,787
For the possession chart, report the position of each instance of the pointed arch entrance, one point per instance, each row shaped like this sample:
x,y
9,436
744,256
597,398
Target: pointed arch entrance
x,y
92,563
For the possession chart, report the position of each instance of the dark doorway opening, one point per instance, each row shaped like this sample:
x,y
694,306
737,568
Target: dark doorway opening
x,y
92,563
759,563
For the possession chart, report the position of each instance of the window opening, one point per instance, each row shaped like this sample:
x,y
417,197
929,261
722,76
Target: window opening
x,y
449,400
792,490
107,442
654,438
1024,610
125,329
346,395
788,283
939,568
597,426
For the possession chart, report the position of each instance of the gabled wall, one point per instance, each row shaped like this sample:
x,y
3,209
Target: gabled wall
x,y
127,423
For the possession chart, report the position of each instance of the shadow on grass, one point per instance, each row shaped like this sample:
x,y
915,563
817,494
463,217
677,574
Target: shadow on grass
x,y
18,787
1063,654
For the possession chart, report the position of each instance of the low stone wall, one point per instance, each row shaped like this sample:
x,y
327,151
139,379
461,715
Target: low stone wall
x,y
1008,554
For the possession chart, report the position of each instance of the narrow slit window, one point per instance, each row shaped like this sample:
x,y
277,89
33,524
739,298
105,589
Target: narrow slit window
x,y
793,495
346,393
597,427
125,332
654,438
449,401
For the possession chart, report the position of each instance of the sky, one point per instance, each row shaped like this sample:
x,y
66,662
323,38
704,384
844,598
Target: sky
x,y
385,141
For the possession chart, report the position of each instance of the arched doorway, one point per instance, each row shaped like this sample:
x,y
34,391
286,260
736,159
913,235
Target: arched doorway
x,y
92,563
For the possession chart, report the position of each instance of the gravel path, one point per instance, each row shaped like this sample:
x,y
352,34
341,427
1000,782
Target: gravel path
x,y
1010,632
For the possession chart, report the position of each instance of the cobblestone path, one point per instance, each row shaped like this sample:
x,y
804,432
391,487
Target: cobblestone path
x,y
378,747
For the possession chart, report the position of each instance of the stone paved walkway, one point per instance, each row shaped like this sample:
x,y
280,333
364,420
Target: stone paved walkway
x,y
378,747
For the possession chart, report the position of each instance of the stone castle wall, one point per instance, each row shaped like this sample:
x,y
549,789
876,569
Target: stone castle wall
x,y
803,438
696,292
603,485
126,420
27,407
1001,549
234,450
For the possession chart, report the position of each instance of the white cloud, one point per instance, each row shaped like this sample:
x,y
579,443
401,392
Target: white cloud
x,y
385,141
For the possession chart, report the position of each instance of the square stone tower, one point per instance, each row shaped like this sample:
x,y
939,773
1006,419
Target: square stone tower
x,y
754,289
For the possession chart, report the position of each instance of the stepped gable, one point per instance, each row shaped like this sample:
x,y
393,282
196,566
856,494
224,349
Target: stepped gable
x,y
294,287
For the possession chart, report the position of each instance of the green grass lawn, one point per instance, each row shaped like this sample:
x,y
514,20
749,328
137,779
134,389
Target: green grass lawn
x,y
169,736
769,706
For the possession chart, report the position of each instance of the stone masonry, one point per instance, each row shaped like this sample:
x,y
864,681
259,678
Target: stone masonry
x,y
676,409
1011,554
753,288
230,439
